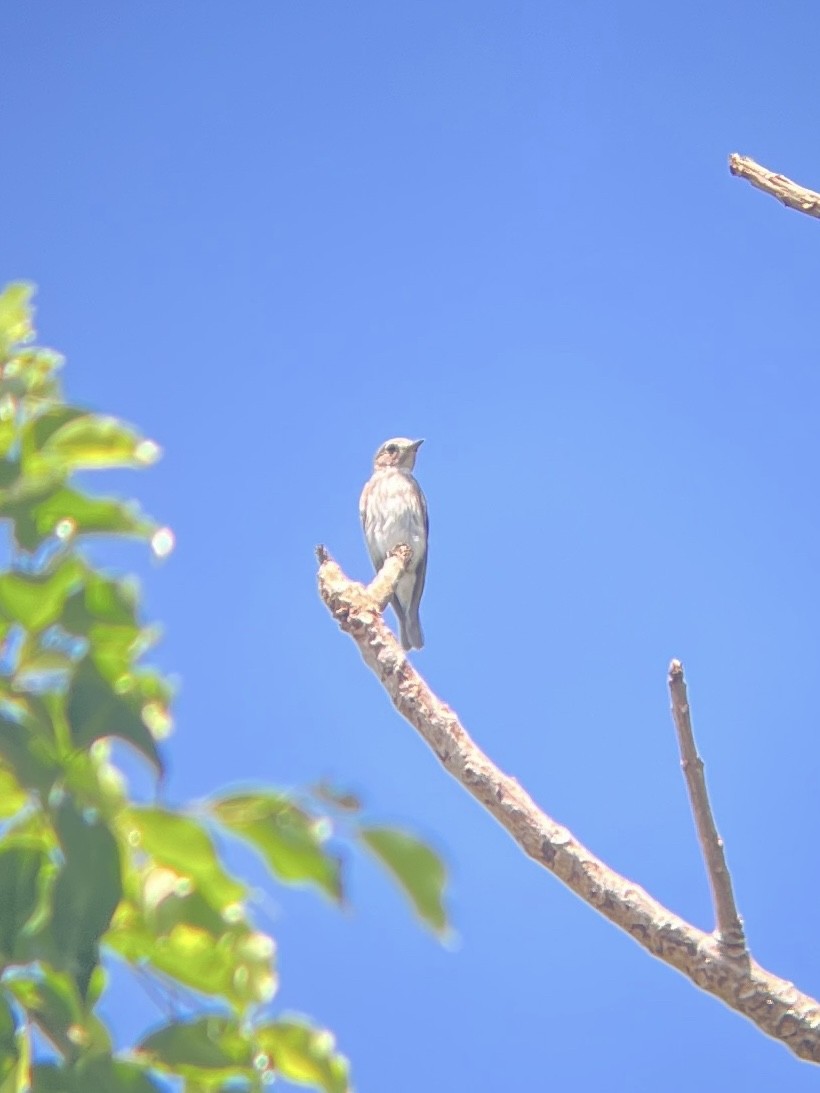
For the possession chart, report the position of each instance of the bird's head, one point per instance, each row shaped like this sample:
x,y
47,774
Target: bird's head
x,y
398,452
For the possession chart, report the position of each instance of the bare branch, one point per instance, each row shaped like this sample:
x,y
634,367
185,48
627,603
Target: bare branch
x,y
360,600
773,1004
790,193
728,923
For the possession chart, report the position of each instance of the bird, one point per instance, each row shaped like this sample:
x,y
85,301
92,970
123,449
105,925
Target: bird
x,y
393,511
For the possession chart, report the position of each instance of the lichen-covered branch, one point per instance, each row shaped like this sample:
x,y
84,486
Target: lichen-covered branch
x,y
790,193
728,923
776,1006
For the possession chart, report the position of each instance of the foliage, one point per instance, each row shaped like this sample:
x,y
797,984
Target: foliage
x,y
86,872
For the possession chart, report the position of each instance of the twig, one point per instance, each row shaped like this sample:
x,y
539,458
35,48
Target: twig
x,y
773,1004
728,923
790,193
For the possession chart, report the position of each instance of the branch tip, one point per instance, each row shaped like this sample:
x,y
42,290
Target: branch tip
x,y
728,923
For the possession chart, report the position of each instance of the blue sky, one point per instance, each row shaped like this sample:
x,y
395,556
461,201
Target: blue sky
x,y
274,235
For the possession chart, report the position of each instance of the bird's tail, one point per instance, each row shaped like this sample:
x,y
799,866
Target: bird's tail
x,y
411,633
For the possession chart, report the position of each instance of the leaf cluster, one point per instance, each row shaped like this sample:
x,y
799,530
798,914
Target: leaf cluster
x,y
88,874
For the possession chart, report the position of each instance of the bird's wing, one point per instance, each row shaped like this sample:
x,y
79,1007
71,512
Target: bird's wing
x,y
376,556
421,568
363,502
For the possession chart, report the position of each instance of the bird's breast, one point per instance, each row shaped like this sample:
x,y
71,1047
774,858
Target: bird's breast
x,y
392,511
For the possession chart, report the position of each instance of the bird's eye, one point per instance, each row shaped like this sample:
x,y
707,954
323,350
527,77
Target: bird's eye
x,y
391,449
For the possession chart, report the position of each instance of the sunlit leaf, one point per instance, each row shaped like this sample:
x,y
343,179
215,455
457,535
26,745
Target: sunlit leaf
x,y
418,869
291,842
15,316
8,436
40,428
91,442
206,1048
236,965
12,795
19,1079
87,890
95,710
30,372
114,650
168,899
183,844
36,602
60,508
9,1054
303,1054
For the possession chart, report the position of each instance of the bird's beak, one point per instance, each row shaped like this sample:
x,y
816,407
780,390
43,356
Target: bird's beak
x,y
416,445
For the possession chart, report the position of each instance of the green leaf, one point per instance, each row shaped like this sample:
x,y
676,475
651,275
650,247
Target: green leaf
x,y
30,372
236,966
290,841
9,468
168,899
303,1054
35,519
35,601
98,1074
52,1078
418,869
206,1048
86,893
20,870
184,845
172,925
51,1000
94,782
28,754
9,1054
95,710
92,442
12,796
104,1073
39,429
18,1079
100,600
15,316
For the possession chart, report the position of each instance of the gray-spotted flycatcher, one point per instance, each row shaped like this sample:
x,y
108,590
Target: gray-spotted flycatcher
x,y
394,511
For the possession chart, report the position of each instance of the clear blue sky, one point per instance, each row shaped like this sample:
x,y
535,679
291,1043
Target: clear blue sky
x,y
274,234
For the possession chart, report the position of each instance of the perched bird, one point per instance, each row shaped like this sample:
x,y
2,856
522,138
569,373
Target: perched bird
x,y
394,511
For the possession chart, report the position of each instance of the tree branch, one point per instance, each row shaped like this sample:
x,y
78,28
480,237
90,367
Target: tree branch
x,y
728,923
383,585
790,193
773,1004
